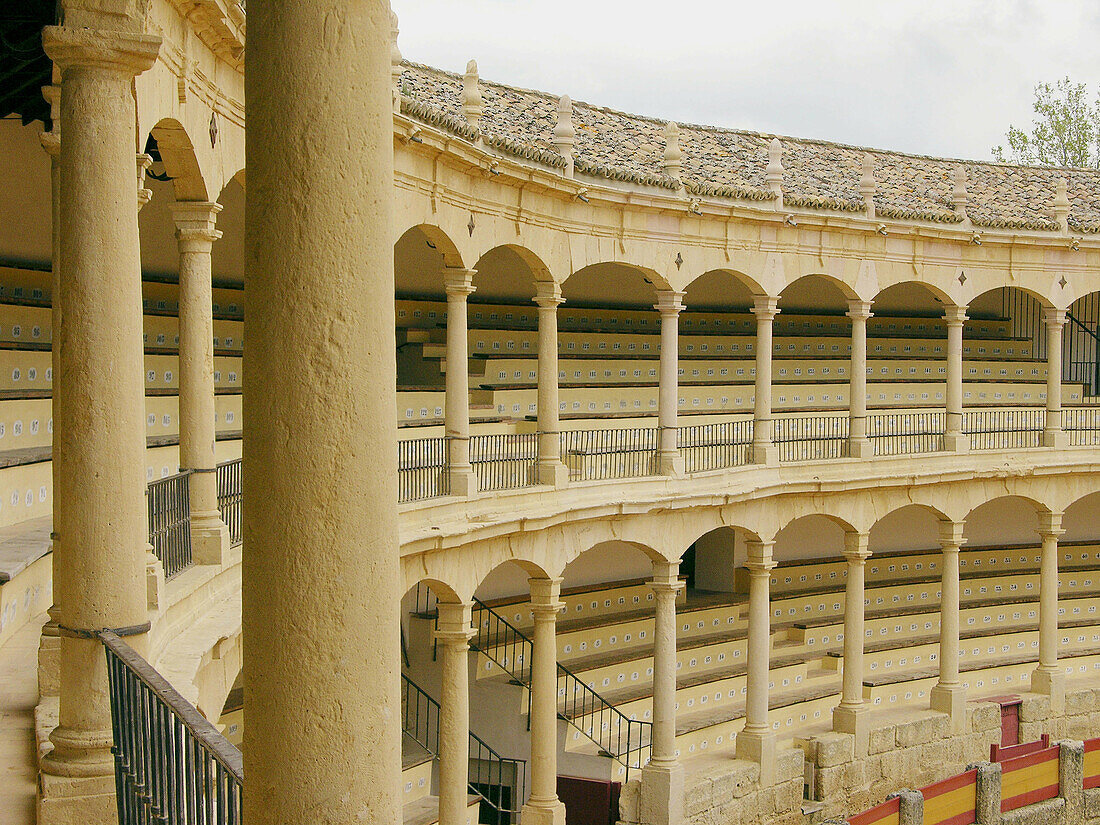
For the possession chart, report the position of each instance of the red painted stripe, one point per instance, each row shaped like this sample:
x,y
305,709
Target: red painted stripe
x,y
1092,781
1029,798
877,813
951,784
1002,754
1092,745
965,818
1029,760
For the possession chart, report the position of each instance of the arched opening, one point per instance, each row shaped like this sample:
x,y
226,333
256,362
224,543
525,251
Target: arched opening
x,y
711,562
1081,521
1081,348
1006,521
907,529
810,537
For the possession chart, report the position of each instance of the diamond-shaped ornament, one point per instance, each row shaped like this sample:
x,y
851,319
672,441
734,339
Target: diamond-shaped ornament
x,y
1062,283
962,277
213,129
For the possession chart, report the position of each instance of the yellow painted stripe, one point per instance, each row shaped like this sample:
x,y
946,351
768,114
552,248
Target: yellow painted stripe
x,y
947,805
1092,763
1029,779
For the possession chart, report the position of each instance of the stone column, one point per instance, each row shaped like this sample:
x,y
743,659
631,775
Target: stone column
x,y
196,234
859,445
1049,677
669,460
662,798
850,716
543,806
954,440
321,577
1053,435
757,740
99,404
551,469
764,450
453,632
949,694
459,284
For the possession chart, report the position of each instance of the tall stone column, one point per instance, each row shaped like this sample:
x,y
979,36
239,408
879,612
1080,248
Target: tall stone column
x,y
662,799
459,284
757,740
850,716
195,234
453,632
1053,434
99,404
543,806
764,450
321,578
949,694
551,469
1049,677
669,460
859,445
954,439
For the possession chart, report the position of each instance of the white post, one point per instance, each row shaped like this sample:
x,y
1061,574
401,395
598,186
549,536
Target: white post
x,y
757,740
1049,677
551,469
453,633
764,451
850,716
949,694
543,806
859,445
459,285
1053,435
954,440
669,460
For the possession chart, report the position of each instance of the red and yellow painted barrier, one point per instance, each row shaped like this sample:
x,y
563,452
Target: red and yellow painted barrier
x,y
888,813
953,801
1092,763
1028,779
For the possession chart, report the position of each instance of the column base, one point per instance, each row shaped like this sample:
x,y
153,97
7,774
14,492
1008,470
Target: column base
x,y
49,661
1052,683
76,800
764,454
553,473
956,443
462,482
662,794
670,463
209,538
1056,439
950,699
538,812
759,747
154,579
860,448
857,722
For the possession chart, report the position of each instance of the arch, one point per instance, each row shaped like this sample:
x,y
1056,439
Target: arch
x,y
703,280
509,578
890,299
815,294
1081,520
823,532
628,560
1080,345
1001,517
910,527
420,257
710,562
171,145
509,273
577,289
228,255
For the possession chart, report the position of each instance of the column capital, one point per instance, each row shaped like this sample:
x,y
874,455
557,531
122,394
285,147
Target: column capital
x,y
195,222
951,535
548,294
545,594
1054,317
459,282
1050,525
666,578
855,546
51,143
759,556
859,310
453,624
954,315
765,307
669,303
127,53
144,194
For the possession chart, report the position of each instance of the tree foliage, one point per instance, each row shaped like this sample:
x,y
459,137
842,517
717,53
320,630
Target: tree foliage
x,y
1065,132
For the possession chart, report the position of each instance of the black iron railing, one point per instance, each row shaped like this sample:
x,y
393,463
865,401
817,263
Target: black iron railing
x,y
171,765
616,735
811,438
715,446
602,454
1082,426
1005,429
906,433
423,469
229,497
498,780
504,461
169,509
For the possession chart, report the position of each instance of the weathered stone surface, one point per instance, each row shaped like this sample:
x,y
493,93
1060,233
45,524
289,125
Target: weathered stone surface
x,y
1035,708
985,716
882,739
834,749
1049,812
790,765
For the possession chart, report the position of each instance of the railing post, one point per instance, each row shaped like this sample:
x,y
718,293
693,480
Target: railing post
x,y
757,740
954,439
764,451
551,470
859,446
669,460
543,806
851,716
1053,435
949,694
1049,677
453,634
459,284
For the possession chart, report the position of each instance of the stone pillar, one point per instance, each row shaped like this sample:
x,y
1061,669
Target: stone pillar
x,y
1071,778
1053,435
321,577
949,694
99,405
757,740
850,716
987,783
453,633
459,284
543,806
859,445
954,439
764,450
551,469
195,234
1049,677
911,808
662,799
669,460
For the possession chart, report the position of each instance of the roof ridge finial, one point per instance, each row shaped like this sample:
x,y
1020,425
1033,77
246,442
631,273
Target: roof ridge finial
x,y
774,172
395,62
473,104
868,184
565,134
673,156
1061,203
959,195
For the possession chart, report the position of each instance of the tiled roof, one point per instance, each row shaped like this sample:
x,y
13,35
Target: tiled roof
x,y
731,163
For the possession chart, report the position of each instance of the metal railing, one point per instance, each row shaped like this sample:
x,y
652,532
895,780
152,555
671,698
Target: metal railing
x,y
1082,426
171,765
811,438
230,497
1004,429
906,433
504,461
716,446
423,469
169,508
616,735
498,780
601,454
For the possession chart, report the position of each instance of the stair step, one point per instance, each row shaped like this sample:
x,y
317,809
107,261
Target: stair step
x,y
425,811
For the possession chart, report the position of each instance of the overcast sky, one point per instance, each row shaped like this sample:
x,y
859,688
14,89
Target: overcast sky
x,y
939,77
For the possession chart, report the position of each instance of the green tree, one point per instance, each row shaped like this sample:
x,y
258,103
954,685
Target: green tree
x,y
1065,132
